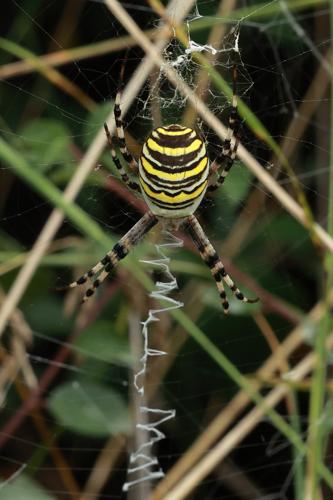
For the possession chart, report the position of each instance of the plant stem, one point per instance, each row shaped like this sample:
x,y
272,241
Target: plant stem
x,y
89,227
315,445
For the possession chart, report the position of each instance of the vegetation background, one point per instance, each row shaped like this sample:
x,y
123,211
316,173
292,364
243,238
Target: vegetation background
x,y
252,391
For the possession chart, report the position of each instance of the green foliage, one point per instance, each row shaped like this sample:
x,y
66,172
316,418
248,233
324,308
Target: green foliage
x,y
45,132
211,299
47,143
89,409
239,184
94,121
100,342
23,488
327,415
39,313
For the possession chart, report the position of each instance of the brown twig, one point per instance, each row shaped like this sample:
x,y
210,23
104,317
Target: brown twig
x,y
233,409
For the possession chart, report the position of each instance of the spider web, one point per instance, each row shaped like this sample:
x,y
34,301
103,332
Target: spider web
x,y
81,358
170,102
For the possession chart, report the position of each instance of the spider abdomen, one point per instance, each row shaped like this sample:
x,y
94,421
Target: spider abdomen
x,y
173,170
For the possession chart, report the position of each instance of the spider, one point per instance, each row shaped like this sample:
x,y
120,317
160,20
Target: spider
x,y
174,174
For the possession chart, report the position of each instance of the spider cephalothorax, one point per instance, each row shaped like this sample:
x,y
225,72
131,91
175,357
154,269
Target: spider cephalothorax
x,y
174,174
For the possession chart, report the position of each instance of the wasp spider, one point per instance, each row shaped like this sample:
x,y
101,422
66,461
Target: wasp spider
x,y
174,174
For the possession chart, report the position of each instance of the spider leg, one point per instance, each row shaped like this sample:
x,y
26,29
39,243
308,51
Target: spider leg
x,y
230,145
213,261
121,135
100,271
126,180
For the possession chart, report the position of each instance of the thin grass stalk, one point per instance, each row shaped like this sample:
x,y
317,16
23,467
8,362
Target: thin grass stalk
x,y
51,74
66,56
233,438
89,227
315,445
238,403
258,11
284,198
316,441
62,57
187,482
257,127
83,170
103,466
233,372
291,400
330,196
50,447
52,193
229,370
290,142
124,18
215,39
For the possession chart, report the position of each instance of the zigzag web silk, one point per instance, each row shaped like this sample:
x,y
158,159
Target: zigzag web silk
x,y
142,461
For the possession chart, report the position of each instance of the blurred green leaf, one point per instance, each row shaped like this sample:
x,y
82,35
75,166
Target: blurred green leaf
x,y
95,121
7,242
100,342
90,409
228,198
211,298
47,142
39,312
326,421
23,488
239,183
288,230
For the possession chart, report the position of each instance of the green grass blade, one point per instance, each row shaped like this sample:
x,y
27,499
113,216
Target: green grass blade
x,y
316,436
91,229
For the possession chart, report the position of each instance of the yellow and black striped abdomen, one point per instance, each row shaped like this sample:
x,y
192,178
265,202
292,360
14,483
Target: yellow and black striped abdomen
x,y
173,171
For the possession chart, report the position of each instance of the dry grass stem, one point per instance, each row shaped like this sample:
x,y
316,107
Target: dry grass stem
x,y
240,430
270,337
215,39
62,57
22,360
287,369
291,138
307,108
238,403
274,344
20,258
158,369
84,168
8,373
267,180
54,76
140,435
103,466
21,337
237,481
49,441
232,439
